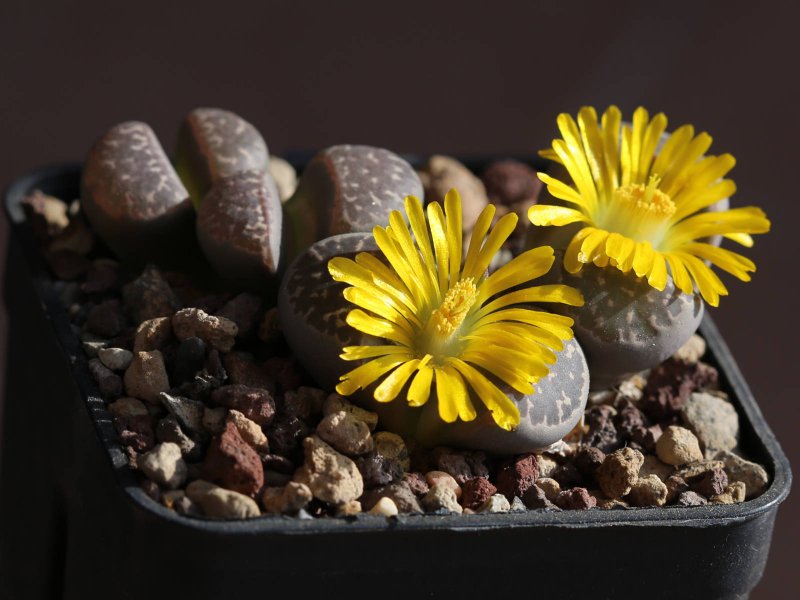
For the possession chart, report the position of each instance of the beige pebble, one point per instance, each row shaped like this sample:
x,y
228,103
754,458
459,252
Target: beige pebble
x,y
335,403
345,433
218,332
678,446
249,430
219,503
441,497
496,503
385,507
648,491
550,487
619,471
288,499
332,477
152,334
692,351
146,377
733,494
128,407
440,478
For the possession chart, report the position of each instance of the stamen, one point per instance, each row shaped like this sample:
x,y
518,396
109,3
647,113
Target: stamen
x,y
640,212
454,308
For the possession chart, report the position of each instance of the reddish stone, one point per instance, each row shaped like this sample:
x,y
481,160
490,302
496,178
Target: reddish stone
x,y
417,483
254,403
577,498
515,476
135,432
476,491
232,463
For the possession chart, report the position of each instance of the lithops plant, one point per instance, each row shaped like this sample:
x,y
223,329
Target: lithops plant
x,y
638,213
214,144
239,229
430,329
134,199
346,189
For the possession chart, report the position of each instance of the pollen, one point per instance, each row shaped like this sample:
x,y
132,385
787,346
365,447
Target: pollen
x,y
646,198
454,307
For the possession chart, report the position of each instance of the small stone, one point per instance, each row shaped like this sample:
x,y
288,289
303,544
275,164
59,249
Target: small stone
x,y
106,319
256,404
302,402
713,420
164,465
690,498
440,478
232,463
675,487
577,498
243,311
151,488
349,509
286,500
284,371
619,472
441,497
286,434
442,173
710,483
91,344
608,503
648,491
345,433
671,384
243,370
188,412
220,503
678,446
189,360
249,430
214,419
547,465
629,418
284,175
461,465
108,382
116,359
46,214
331,476
496,503
127,407
550,487
169,430
646,437
400,493
377,470
385,507
603,433
753,475
146,377
218,332
509,182
732,494
535,497
692,351
416,483
152,334
632,387
693,471
652,465
149,296
588,460
515,476
135,432
476,491
567,475
334,403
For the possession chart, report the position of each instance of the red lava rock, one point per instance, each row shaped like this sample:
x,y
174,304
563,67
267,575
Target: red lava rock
x,y
647,437
462,465
670,385
417,483
516,475
602,431
232,463
629,418
690,498
66,264
284,371
577,498
476,491
106,319
135,432
377,470
710,483
149,296
588,460
242,310
256,404
108,382
244,370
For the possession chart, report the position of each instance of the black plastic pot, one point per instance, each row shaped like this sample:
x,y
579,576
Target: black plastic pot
x,y
75,524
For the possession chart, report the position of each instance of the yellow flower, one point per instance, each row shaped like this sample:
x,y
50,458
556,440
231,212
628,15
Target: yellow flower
x,y
449,324
645,211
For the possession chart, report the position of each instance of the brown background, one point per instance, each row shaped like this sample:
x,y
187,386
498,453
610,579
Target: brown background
x,y
421,78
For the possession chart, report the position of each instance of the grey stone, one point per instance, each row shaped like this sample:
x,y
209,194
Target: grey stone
x,y
116,359
188,412
219,503
164,465
713,420
753,475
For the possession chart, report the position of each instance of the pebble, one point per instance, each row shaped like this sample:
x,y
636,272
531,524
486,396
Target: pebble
x,y
588,460
441,497
416,483
678,446
169,430
550,487
149,296
393,447
696,469
218,332
334,403
497,503
220,503
710,483
102,277
257,404
510,182
243,311
164,464
106,319
400,493
331,476
753,475
577,498
152,334
442,479
284,176
648,491
547,465
116,359
619,472
692,351
189,359
441,174
249,430
675,487
652,465
476,491
535,497
303,402
461,465
713,420
377,470
214,419
127,407
136,432
146,377
286,500
345,433
242,369
91,344
385,507
108,382
232,463
515,476
732,494
188,412
690,498
286,434
349,509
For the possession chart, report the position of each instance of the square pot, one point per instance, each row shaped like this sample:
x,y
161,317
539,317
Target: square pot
x,y
74,522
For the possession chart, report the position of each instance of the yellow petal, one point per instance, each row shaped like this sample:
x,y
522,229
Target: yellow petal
x,y
478,236
657,277
370,325
522,268
452,213
363,375
546,214
390,387
420,389
562,191
491,246
504,412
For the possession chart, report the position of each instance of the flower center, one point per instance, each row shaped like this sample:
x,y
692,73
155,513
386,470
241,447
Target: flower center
x,y
451,313
640,212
